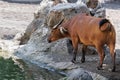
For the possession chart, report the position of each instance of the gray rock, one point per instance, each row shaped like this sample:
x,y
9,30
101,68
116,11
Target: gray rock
x,y
18,36
66,10
33,26
37,32
79,74
64,65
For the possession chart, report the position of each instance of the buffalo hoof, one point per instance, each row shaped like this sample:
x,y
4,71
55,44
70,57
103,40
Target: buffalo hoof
x,y
73,61
82,60
99,68
113,70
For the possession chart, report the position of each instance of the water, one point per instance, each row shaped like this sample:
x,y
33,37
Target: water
x,y
19,70
10,71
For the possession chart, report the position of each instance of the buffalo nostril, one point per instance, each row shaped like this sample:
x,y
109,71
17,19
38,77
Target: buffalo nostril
x,y
49,41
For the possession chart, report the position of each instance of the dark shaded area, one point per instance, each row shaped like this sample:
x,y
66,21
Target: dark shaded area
x,y
69,46
72,1
116,3
111,1
103,21
7,33
25,2
43,73
8,37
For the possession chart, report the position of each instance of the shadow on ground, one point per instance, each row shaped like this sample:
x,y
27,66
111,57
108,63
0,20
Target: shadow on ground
x,y
91,66
113,5
25,2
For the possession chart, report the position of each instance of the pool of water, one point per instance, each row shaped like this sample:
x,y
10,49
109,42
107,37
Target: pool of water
x,y
10,71
18,69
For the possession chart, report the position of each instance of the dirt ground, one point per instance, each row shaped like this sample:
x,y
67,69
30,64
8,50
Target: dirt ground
x,y
15,17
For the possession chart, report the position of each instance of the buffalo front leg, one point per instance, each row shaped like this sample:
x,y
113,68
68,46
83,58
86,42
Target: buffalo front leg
x,y
74,56
75,48
83,53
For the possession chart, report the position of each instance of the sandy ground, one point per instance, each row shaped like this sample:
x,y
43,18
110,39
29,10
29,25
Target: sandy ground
x,y
14,18
112,12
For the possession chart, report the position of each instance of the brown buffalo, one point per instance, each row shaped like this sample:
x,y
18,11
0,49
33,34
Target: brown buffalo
x,y
89,31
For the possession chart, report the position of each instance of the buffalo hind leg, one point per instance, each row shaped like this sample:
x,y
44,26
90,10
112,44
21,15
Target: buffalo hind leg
x,y
101,55
113,55
83,53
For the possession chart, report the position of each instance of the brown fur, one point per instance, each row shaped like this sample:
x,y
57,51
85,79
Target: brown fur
x,y
86,30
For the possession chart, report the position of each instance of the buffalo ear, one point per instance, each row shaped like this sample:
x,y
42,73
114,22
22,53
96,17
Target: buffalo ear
x,y
63,30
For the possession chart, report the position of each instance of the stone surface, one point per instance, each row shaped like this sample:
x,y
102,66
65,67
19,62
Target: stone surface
x,y
66,11
56,11
79,74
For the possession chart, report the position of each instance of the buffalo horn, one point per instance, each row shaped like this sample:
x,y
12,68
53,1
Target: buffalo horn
x,y
58,24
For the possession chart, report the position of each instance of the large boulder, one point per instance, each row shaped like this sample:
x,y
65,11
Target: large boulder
x,y
66,11
48,12
30,29
39,29
51,12
38,32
